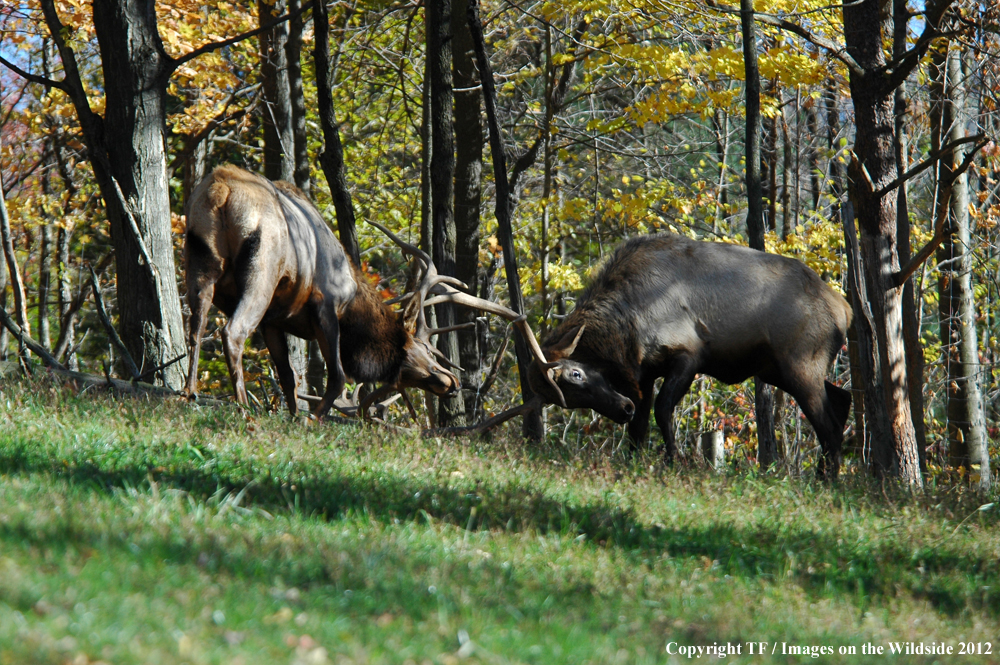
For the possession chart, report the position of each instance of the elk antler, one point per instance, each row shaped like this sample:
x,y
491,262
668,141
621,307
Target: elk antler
x,y
519,320
430,279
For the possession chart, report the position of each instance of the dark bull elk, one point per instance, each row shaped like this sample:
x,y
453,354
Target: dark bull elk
x,y
667,306
261,251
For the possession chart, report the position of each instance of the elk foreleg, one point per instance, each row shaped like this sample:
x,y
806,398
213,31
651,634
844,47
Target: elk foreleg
x,y
675,385
199,299
638,427
277,347
328,337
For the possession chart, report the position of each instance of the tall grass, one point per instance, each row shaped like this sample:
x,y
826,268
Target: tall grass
x,y
144,531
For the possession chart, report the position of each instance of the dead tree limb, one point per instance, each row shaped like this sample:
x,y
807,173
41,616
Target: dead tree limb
x,y
530,406
102,313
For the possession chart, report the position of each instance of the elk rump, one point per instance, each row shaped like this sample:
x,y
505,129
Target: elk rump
x,y
668,306
262,253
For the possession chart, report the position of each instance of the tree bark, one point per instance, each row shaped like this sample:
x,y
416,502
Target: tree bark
x,y
279,139
877,300
533,427
787,223
67,330
332,157
45,250
911,322
293,54
769,159
279,134
720,127
130,165
959,341
767,444
17,284
439,47
468,197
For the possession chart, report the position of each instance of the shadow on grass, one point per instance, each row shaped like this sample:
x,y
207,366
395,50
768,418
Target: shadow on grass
x,y
818,560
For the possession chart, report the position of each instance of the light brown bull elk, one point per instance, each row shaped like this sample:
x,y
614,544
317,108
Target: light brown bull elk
x,y
262,253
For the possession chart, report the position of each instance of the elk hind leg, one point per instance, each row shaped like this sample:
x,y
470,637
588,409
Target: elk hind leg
x,y
256,281
203,270
826,406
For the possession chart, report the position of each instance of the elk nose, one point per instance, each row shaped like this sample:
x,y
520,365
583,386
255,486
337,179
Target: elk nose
x,y
629,408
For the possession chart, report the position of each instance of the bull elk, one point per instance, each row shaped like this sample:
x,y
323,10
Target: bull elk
x,y
262,253
667,306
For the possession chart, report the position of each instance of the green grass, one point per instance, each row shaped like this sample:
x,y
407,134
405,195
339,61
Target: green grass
x,y
141,531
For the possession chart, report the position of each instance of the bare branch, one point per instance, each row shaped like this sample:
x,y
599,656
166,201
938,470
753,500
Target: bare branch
x,y
941,231
900,68
174,63
531,405
555,103
933,159
34,78
112,333
70,315
27,341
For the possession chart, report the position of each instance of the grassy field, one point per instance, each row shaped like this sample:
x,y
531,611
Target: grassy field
x,y
137,531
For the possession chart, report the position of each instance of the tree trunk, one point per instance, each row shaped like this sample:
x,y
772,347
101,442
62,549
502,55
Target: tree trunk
x,y
720,127
279,135
769,157
279,139
426,203
959,342
45,250
450,409
786,171
812,128
4,333
877,300
20,301
332,157
293,54
533,427
767,445
911,322
468,197
133,180
66,296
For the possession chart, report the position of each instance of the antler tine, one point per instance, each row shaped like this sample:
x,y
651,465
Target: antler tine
x,y
409,248
519,320
447,329
377,395
430,279
443,359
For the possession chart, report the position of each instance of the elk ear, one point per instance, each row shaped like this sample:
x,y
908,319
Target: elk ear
x,y
564,350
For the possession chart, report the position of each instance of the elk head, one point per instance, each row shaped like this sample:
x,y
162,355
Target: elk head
x,y
576,384
424,365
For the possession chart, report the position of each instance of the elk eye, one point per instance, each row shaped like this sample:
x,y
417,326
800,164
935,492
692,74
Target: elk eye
x,y
577,375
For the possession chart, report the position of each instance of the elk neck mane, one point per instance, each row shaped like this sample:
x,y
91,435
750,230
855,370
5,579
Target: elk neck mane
x,y
608,308
372,337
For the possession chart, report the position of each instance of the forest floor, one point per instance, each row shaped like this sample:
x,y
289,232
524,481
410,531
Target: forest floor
x,y
145,531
